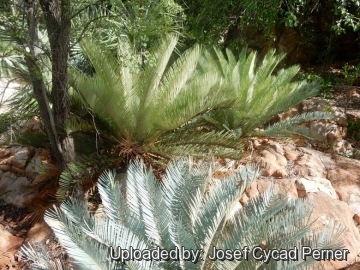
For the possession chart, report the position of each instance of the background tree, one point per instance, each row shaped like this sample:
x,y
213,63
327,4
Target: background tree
x,y
319,24
57,18
139,22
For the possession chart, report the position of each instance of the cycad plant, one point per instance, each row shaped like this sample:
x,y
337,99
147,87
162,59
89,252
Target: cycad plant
x,y
188,210
196,103
261,90
147,109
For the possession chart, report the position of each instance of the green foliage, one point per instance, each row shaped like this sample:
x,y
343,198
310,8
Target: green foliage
x,y
259,94
83,168
208,101
351,73
348,16
326,82
290,126
148,109
138,24
188,208
208,20
354,129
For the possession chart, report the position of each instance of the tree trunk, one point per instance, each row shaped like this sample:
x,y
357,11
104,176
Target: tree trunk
x,y
32,62
58,25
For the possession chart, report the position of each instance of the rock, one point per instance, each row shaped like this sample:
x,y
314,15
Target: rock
x,y
4,153
285,185
290,152
270,164
330,182
309,165
341,118
334,133
315,184
331,209
15,190
327,132
342,147
252,191
280,159
31,125
39,232
6,180
244,199
19,192
352,93
341,175
352,115
288,114
352,266
21,155
9,244
345,178
319,128
317,104
356,218
35,165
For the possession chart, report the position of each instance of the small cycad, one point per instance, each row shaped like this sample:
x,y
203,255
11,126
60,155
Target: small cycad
x,y
260,90
190,209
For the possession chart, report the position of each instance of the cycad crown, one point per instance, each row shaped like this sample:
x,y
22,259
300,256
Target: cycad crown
x,y
188,208
259,94
158,109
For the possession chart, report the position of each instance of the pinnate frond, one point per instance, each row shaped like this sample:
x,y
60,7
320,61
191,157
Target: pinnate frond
x,y
188,209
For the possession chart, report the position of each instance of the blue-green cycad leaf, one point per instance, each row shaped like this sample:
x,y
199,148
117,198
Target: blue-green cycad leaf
x,y
189,209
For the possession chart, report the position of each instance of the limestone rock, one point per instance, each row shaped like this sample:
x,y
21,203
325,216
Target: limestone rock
x,y
315,184
35,165
270,163
39,232
9,244
21,155
18,192
31,125
309,164
285,185
252,191
328,209
291,155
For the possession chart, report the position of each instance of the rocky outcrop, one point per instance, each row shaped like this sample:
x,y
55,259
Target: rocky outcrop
x,y
330,182
20,169
9,245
